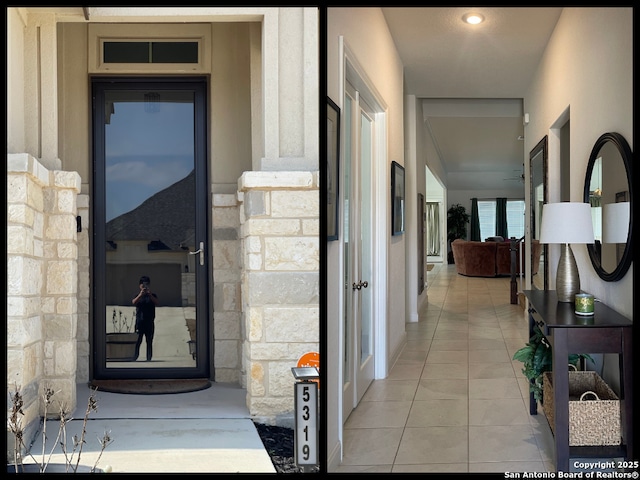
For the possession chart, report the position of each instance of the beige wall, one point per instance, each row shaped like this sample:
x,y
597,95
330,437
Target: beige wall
x,y
365,33
585,77
587,70
230,131
15,84
74,100
230,105
230,126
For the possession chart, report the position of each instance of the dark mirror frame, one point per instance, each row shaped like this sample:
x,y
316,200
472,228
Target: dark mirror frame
x,y
540,148
625,152
397,198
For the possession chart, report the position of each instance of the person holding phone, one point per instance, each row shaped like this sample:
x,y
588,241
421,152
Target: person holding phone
x,y
145,302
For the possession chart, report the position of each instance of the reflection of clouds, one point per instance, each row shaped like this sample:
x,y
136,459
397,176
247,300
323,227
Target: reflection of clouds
x,y
146,152
154,174
167,133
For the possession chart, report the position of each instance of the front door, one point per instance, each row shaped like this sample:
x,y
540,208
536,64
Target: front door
x,y
150,210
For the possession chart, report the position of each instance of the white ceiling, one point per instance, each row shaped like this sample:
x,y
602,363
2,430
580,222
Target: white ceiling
x,y
472,79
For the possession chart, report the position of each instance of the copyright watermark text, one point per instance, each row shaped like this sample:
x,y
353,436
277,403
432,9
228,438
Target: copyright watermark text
x,y
587,470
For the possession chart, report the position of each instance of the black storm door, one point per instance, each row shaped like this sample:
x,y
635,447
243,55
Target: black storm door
x,y
150,219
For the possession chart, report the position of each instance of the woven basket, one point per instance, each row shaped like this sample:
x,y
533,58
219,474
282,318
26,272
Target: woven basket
x,y
594,409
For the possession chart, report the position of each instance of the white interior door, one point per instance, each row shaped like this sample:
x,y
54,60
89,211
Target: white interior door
x,y
358,366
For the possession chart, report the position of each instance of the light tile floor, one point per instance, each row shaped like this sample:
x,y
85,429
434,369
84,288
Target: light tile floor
x,y
455,401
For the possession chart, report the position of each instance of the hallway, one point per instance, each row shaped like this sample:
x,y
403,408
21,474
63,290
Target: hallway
x,y
455,401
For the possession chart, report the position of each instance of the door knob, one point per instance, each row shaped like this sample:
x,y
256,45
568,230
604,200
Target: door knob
x,y
360,285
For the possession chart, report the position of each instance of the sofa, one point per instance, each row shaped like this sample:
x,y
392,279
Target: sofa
x,y
491,258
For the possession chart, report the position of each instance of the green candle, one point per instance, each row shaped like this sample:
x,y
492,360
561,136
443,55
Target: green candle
x,y
584,304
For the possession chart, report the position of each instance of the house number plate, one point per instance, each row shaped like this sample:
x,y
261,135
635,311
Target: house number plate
x,y
306,433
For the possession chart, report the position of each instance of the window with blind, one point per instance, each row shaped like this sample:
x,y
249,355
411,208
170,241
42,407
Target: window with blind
x,y
487,218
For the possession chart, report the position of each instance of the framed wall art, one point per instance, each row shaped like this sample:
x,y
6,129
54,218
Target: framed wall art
x,y
397,198
332,173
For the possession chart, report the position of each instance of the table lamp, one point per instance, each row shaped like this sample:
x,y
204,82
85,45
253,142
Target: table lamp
x,y
566,223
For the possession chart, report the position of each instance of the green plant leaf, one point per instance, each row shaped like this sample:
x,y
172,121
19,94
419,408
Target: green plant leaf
x,y
457,219
536,357
525,354
574,358
541,358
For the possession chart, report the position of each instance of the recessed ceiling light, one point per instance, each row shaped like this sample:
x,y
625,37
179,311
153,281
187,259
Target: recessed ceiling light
x,y
473,18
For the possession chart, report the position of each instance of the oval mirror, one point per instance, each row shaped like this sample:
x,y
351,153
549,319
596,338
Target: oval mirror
x,y
608,189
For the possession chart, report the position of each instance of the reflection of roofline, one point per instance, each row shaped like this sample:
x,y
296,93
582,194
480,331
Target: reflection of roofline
x,y
167,217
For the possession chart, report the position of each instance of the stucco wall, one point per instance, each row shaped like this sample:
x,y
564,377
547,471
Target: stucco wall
x,y
230,132
230,128
15,70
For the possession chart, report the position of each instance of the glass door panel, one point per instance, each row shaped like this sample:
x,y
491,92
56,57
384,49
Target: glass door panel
x,y
150,241
365,314
357,248
348,370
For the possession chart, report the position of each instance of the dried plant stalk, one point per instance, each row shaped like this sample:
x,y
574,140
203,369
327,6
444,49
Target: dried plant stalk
x,y
72,461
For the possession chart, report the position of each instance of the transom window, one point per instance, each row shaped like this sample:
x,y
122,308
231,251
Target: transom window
x,y
150,52
136,48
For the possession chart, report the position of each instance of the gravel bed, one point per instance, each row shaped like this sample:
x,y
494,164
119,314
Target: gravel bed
x,y
280,445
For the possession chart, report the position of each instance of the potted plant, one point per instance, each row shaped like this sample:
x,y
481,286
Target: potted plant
x,y
121,340
536,357
457,219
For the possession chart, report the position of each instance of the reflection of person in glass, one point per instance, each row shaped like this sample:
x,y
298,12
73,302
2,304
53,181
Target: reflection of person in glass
x,y
145,303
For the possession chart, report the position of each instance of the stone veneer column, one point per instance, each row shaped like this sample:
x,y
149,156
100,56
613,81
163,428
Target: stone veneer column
x,y
42,282
84,291
280,285
227,302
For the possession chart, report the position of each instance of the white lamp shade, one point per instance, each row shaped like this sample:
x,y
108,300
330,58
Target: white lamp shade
x,y
615,222
566,222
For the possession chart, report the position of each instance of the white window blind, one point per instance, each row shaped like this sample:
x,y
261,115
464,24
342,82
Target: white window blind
x,y
515,218
487,218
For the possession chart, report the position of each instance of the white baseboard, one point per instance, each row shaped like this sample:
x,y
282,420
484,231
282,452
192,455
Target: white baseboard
x,y
334,459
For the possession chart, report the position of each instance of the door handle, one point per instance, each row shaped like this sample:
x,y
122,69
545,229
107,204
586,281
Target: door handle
x,y
360,285
199,251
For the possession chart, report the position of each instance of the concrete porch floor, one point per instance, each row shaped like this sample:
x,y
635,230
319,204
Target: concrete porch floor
x,y
208,431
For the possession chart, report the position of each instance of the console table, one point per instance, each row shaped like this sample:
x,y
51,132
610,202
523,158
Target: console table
x,y
606,331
